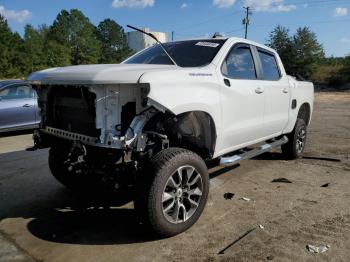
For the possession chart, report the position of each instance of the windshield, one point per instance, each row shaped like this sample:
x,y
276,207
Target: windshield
x,y
192,53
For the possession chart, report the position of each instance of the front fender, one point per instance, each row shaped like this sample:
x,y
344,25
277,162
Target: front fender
x,y
186,90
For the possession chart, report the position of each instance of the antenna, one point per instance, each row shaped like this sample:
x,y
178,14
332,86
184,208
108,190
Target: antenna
x,y
155,38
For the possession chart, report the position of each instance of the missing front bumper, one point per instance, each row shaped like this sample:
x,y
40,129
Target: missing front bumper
x,y
87,140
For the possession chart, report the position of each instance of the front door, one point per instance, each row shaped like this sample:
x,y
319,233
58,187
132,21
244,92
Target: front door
x,y
243,98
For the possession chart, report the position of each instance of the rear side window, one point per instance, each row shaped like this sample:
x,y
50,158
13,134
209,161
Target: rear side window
x,y
16,92
269,66
239,64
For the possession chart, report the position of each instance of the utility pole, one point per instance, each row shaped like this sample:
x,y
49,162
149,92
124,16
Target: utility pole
x,y
172,36
246,20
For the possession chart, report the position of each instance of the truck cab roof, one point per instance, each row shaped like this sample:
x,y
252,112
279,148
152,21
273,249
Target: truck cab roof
x,y
233,39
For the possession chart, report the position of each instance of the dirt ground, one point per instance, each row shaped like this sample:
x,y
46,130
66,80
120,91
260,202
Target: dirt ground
x,y
42,221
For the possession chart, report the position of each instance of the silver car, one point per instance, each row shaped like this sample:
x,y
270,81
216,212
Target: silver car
x,y
18,106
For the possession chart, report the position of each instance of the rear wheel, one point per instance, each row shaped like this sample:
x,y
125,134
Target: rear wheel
x,y
175,192
297,139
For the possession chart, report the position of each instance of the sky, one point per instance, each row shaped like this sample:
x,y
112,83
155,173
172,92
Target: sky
x,y
329,19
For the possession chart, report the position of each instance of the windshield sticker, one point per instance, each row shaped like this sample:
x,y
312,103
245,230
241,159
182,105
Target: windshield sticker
x,y
208,44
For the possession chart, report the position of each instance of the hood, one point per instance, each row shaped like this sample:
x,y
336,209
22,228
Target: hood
x,y
94,74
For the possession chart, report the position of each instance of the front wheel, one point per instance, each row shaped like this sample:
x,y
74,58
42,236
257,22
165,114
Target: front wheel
x,y
177,191
297,139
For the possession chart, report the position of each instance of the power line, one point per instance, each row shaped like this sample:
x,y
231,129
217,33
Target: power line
x,y
302,2
247,22
308,22
235,30
206,21
200,23
318,2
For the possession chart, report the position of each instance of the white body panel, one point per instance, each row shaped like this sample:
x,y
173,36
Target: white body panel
x,y
94,74
277,97
303,92
242,116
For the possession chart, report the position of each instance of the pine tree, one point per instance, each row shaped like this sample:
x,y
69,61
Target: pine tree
x,y
346,69
17,60
34,41
308,51
75,31
11,50
114,44
56,54
280,40
300,53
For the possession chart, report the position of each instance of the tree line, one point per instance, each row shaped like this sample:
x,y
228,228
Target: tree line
x,y
71,40
304,57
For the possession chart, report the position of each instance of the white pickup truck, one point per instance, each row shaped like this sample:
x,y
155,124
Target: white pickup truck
x,y
150,123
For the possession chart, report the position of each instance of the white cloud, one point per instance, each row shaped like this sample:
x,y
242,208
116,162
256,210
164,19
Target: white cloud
x,y
259,5
132,3
224,3
269,5
345,40
19,16
184,5
340,11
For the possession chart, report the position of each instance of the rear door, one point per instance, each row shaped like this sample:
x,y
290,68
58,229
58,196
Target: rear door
x,y
277,93
243,99
17,106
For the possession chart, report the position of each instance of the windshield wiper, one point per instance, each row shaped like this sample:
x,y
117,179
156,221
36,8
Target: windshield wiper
x,y
155,38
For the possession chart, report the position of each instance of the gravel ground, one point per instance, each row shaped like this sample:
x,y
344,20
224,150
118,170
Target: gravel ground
x,y
41,220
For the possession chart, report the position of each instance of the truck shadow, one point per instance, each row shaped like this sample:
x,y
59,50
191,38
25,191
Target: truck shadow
x,y
271,156
56,214
62,216
93,226
85,219
95,222
16,133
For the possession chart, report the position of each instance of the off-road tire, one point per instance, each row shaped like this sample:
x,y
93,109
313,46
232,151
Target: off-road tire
x,y
150,188
291,150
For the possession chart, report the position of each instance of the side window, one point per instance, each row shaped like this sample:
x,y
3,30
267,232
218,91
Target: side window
x,y
269,66
239,64
16,92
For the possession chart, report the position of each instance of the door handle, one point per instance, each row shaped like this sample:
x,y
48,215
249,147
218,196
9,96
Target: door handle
x,y
285,90
259,90
26,105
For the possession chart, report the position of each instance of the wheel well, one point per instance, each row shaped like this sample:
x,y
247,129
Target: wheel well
x,y
304,113
194,130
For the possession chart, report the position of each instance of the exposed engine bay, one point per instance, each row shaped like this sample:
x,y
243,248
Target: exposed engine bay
x,y
97,115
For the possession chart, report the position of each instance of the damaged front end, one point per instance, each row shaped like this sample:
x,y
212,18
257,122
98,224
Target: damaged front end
x,y
111,131
107,116
96,131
